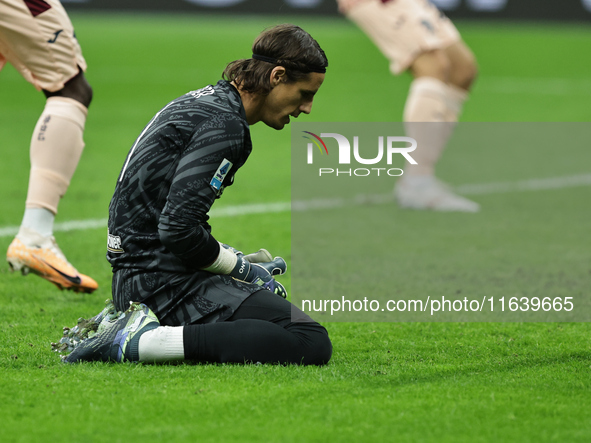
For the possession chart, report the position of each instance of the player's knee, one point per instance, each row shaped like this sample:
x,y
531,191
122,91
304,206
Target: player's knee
x,y
464,68
434,64
76,88
79,89
464,74
320,347
324,351
86,94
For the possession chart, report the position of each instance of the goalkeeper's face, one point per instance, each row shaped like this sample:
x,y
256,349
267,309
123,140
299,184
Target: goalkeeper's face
x,y
289,99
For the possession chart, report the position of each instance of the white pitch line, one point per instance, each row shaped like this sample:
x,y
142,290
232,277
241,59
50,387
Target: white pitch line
x,y
541,184
230,211
537,184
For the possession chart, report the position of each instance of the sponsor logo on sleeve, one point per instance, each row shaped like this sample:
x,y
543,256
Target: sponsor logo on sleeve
x,y
219,176
114,244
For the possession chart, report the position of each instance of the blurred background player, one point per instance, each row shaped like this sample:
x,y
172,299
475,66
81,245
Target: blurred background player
x,y
37,38
415,36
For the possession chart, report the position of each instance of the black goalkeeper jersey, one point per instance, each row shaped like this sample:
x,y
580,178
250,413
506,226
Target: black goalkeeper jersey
x,y
177,167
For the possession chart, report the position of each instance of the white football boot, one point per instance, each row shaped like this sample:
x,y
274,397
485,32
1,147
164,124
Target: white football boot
x,y
428,193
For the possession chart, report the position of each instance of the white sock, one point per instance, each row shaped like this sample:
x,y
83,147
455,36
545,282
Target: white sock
x,y
39,220
431,111
164,343
56,147
425,101
454,99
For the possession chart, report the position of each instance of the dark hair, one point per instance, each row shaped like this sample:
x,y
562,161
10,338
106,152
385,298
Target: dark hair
x,y
282,45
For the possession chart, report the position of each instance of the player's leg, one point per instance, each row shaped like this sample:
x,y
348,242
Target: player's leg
x,y
463,66
414,36
442,82
442,79
56,147
40,43
426,100
201,317
224,320
265,328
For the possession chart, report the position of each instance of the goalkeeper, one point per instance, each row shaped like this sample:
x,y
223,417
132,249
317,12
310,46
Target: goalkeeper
x,y
202,300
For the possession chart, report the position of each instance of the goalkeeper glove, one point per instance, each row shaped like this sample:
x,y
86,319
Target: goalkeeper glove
x,y
258,268
275,266
261,273
261,256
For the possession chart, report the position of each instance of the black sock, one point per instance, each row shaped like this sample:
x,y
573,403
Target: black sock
x,y
253,341
261,330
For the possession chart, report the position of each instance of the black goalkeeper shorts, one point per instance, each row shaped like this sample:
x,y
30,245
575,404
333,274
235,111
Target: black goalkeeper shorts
x,y
181,299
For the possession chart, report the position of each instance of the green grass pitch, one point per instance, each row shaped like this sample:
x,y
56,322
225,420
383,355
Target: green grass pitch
x,y
404,382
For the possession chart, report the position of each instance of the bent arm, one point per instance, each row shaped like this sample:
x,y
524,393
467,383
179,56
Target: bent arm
x,y
183,226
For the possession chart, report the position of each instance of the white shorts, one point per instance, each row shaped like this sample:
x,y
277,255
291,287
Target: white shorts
x,y
402,29
37,38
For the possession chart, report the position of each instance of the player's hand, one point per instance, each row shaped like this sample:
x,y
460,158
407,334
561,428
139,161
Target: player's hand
x,y
263,278
261,273
261,256
277,266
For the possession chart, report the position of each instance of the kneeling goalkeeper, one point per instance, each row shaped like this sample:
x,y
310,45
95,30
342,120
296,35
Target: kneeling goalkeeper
x,y
191,296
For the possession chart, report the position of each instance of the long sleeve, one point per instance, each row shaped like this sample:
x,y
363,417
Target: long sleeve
x,y
204,169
